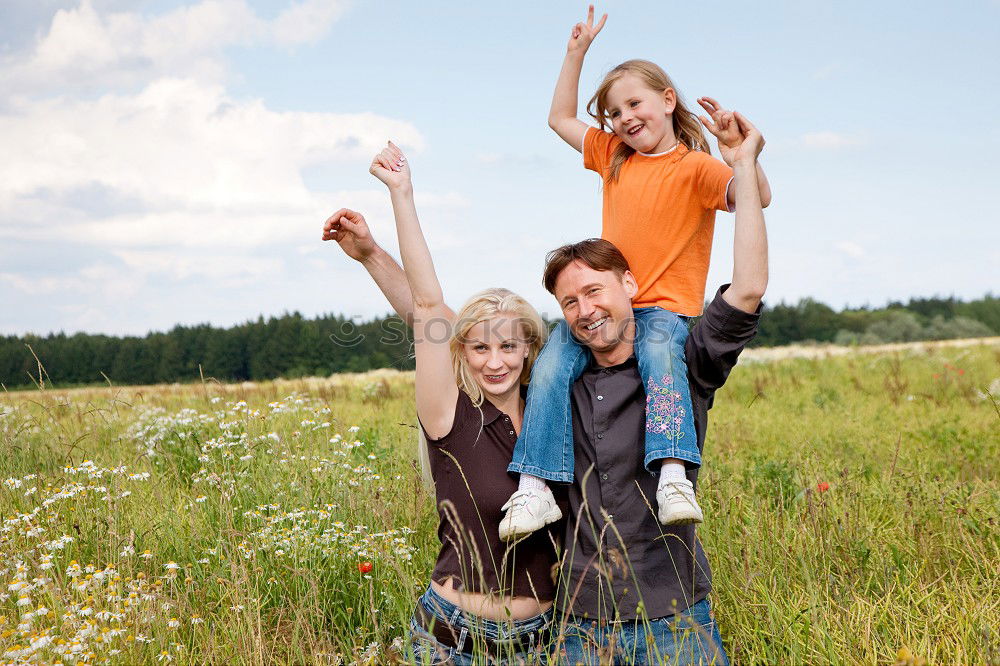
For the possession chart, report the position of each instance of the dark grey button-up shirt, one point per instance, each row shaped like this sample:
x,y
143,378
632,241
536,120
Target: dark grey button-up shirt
x,y
619,559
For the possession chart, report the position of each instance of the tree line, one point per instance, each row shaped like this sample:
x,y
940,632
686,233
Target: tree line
x,y
287,346
294,346
919,319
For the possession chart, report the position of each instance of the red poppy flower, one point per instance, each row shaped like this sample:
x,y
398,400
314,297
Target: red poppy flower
x,y
364,567
822,486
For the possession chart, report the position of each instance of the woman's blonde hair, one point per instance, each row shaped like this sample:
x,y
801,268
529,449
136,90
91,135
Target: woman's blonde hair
x,y
686,124
482,307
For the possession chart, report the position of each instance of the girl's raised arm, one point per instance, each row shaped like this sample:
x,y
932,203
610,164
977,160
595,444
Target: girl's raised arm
x,y
436,389
562,114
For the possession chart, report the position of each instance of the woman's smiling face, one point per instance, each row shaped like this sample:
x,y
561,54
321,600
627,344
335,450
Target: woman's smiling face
x,y
495,350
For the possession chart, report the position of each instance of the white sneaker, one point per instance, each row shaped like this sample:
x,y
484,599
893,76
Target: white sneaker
x,y
527,511
676,502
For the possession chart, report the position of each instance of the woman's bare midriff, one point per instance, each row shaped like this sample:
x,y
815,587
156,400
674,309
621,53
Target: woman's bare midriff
x,y
490,606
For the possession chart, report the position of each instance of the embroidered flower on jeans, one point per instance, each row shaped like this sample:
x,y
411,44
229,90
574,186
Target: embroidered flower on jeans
x,y
664,408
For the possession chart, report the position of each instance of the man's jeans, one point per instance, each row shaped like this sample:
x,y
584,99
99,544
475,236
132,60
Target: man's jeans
x,y
691,637
545,446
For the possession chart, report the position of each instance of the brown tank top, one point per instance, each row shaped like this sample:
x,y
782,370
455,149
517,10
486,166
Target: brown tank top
x,y
469,466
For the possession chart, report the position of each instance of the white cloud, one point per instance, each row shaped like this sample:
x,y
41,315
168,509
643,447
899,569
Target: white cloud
x,y
305,21
829,140
124,148
852,250
42,285
230,269
179,147
197,166
84,47
97,279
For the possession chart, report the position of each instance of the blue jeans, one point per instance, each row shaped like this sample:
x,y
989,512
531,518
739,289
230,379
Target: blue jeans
x,y
690,637
426,650
545,446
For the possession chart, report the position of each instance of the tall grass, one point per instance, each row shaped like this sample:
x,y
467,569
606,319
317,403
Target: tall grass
x,y
851,513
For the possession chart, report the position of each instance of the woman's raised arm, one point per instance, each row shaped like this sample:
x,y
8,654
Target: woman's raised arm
x,y
436,389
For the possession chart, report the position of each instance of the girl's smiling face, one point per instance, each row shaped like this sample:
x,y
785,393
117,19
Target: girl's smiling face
x,y
640,115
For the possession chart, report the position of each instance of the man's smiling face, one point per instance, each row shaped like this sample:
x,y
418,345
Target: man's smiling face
x,y
597,306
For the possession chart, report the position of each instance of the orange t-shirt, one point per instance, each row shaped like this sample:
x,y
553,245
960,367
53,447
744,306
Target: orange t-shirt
x,y
660,213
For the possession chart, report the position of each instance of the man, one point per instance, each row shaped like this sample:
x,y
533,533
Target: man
x,y
633,591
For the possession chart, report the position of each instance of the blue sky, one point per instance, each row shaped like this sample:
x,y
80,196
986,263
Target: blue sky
x,y
173,162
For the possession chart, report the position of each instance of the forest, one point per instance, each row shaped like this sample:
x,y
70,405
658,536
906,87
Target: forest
x,y
293,346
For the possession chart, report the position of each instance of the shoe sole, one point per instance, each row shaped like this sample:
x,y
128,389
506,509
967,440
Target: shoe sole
x,y
684,521
683,518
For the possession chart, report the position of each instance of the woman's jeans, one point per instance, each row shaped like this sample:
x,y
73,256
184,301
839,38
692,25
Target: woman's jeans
x,y
545,446
427,650
688,638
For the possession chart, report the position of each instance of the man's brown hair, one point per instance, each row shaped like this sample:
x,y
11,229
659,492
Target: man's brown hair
x,y
599,254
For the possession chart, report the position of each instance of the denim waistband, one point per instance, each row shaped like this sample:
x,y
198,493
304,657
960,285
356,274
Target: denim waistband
x,y
650,308
444,610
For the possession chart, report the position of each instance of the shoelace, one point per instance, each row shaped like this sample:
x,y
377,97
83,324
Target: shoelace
x,y
519,501
676,492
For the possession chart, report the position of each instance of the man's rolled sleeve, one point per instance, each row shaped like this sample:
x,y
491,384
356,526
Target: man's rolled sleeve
x,y
715,343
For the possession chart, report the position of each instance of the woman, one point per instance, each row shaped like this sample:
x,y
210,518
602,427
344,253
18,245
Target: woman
x,y
485,597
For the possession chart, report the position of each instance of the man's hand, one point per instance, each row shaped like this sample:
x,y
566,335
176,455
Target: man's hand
x,y
738,139
351,232
584,33
722,125
391,167
752,142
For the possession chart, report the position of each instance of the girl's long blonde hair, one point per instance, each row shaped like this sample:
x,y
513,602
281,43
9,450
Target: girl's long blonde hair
x,y
482,307
687,128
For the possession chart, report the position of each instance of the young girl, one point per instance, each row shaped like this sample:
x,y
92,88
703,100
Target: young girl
x,y
661,191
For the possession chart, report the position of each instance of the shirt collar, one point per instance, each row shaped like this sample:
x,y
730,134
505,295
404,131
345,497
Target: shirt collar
x,y
627,363
678,151
490,411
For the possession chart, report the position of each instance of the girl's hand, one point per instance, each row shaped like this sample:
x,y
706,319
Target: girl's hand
x,y
391,168
351,232
723,126
584,33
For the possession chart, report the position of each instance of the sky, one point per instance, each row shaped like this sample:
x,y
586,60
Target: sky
x,y
172,162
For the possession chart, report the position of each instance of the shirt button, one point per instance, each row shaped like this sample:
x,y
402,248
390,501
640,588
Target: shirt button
x,y
600,435
600,397
512,432
604,477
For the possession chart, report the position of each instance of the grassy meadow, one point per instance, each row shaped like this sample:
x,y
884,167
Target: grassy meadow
x,y
852,507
